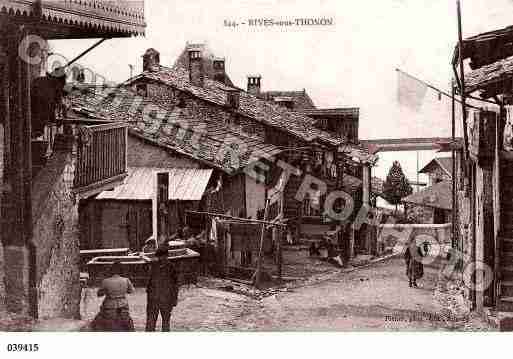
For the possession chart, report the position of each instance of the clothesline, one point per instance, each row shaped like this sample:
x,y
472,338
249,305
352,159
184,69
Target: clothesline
x,y
447,94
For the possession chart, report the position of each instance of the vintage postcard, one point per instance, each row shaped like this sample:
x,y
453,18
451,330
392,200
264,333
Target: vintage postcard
x,y
266,165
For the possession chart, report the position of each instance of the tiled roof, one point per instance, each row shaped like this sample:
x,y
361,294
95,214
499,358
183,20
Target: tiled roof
x,y
263,111
443,162
346,112
173,128
185,184
490,74
436,196
300,98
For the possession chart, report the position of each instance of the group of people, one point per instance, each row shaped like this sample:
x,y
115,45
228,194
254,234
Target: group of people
x,y
161,290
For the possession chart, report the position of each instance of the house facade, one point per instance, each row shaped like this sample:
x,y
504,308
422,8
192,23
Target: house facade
x,y
483,176
51,161
438,170
255,145
433,204
314,152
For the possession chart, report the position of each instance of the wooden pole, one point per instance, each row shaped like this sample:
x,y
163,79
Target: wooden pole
x,y
162,214
462,80
453,125
258,273
280,253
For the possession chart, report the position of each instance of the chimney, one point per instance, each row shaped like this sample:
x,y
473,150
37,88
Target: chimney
x,y
196,74
219,70
151,60
254,84
232,98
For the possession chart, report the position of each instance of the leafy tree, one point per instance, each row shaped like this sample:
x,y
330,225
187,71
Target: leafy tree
x,y
396,187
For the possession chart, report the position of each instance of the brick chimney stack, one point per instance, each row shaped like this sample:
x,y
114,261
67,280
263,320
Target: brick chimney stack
x,y
220,69
151,60
254,82
196,73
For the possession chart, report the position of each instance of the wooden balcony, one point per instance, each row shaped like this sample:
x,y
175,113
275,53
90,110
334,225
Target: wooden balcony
x,y
59,19
101,158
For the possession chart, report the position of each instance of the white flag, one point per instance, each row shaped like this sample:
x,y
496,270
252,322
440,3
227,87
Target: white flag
x,y
410,91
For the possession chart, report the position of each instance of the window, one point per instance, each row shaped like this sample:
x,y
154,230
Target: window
x,y
142,90
312,204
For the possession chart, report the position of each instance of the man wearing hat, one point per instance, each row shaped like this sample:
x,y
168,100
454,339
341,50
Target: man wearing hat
x,y
162,291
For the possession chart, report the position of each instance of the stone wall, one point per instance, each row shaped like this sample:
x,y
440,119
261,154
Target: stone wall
x,y
394,236
56,236
419,214
141,154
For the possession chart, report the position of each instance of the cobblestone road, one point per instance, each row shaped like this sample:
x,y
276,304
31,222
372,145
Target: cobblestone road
x,y
375,298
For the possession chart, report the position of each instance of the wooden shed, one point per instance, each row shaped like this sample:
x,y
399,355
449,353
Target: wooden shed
x,y
122,218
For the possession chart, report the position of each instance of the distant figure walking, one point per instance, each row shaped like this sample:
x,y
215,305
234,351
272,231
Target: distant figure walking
x,y
414,266
114,313
162,291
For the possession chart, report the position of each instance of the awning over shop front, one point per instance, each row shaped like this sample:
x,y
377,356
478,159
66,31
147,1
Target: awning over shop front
x,y
185,184
56,19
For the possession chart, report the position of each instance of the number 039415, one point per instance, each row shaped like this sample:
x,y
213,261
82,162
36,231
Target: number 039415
x,y
24,348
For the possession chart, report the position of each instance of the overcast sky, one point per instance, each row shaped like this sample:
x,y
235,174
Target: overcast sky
x,y
349,64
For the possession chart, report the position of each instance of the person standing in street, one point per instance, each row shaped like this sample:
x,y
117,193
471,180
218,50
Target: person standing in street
x,y
414,267
162,291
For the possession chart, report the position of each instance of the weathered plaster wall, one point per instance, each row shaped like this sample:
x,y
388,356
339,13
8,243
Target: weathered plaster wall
x,y
141,154
438,175
255,197
56,237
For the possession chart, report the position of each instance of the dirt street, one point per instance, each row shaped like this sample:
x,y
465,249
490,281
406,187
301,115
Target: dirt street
x,y
374,298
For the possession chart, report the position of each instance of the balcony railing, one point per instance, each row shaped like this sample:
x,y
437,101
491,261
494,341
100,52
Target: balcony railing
x,y
105,18
101,157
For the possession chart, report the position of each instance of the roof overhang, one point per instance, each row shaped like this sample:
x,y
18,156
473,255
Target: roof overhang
x,y
73,19
492,79
185,184
486,48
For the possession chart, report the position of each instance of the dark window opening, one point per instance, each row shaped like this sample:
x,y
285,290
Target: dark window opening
x,y
142,90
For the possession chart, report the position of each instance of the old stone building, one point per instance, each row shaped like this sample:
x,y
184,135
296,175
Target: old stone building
x,y
484,191
253,144
433,205
46,166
